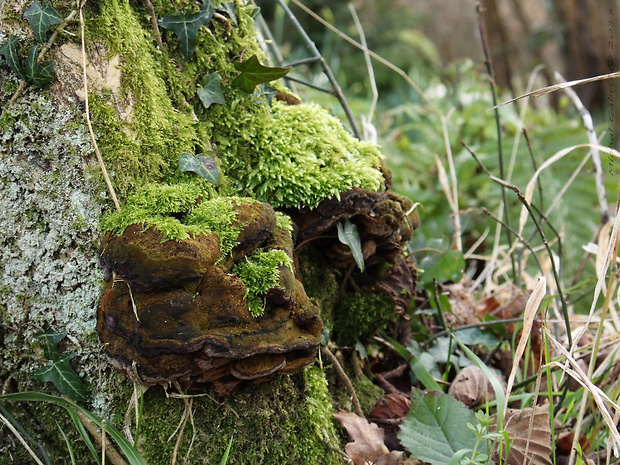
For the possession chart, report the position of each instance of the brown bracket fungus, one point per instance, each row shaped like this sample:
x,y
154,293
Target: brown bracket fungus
x,y
176,311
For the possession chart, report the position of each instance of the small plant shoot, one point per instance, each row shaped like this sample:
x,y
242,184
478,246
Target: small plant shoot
x,y
253,74
186,25
349,236
203,165
58,371
210,90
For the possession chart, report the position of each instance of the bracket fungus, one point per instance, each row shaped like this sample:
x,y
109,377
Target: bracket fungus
x,y
175,311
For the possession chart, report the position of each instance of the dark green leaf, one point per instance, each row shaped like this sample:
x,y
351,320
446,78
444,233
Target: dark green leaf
x,y
8,50
229,9
348,235
51,339
41,18
38,74
268,91
59,372
446,267
202,165
476,336
210,91
436,428
186,24
253,74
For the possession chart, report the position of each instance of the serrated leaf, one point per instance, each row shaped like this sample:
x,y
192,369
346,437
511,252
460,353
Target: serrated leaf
x,y
348,235
8,50
253,74
202,165
186,24
210,91
41,18
436,428
35,73
229,9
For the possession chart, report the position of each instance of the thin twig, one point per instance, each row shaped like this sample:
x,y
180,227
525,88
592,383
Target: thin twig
x,y
153,16
87,111
500,156
345,379
46,47
366,124
326,69
586,117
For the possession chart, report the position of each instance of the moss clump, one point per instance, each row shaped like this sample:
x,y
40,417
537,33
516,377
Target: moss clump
x,y
296,156
260,272
359,314
179,211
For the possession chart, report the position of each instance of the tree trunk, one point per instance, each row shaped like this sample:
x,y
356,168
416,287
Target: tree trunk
x,y
145,112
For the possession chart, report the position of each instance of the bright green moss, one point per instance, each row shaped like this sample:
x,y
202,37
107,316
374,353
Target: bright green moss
x,y
295,155
284,222
179,211
259,272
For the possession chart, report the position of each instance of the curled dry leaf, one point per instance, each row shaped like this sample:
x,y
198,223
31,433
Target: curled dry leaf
x,y
391,406
472,387
528,445
367,445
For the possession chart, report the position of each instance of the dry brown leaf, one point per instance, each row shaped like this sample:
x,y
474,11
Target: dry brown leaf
x,y
531,446
367,445
391,406
472,387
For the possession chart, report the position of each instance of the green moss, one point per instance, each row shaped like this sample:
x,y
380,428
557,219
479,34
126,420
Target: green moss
x,y
284,222
359,314
147,144
288,418
294,156
260,272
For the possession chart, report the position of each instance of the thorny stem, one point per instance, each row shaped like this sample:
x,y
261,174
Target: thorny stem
x,y
345,379
489,65
87,111
326,69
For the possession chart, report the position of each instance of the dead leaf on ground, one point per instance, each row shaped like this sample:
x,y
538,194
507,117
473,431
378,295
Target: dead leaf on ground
x,y
472,387
367,445
391,406
532,446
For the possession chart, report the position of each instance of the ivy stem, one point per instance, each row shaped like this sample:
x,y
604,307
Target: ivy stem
x,y
90,126
46,47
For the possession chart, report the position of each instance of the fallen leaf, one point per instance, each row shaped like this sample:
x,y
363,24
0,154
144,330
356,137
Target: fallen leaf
x,y
472,387
527,445
367,445
391,406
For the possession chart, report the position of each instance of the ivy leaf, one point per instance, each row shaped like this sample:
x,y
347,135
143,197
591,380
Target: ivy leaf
x,y
253,74
35,73
435,428
7,49
202,165
348,235
41,18
186,24
229,8
268,91
210,91
446,267
58,371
